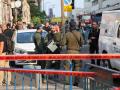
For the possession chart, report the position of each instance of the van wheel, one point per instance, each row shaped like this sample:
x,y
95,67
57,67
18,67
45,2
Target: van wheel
x,y
105,63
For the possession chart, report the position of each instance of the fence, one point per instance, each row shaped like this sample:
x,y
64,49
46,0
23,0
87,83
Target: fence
x,y
89,82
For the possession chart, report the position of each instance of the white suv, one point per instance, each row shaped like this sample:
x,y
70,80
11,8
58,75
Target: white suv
x,y
109,39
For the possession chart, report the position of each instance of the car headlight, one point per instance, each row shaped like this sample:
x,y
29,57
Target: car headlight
x,y
20,51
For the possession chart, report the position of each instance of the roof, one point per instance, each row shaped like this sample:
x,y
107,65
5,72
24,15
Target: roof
x,y
27,30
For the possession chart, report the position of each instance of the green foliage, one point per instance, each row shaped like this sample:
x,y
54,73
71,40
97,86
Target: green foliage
x,y
37,15
35,20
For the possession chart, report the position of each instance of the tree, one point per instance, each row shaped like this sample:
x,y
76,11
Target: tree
x,y
39,16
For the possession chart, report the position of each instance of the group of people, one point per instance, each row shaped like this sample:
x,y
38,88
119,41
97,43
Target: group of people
x,y
69,41
6,47
90,33
7,36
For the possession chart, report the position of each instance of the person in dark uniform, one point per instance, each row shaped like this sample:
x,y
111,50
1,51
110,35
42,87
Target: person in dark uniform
x,y
93,41
40,46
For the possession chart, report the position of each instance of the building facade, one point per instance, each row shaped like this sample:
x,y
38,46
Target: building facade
x,y
8,13
26,16
5,11
97,6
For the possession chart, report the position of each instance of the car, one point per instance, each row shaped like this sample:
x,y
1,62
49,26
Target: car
x,y
24,45
109,38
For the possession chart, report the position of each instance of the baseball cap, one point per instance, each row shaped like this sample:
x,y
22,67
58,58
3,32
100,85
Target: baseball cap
x,y
39,27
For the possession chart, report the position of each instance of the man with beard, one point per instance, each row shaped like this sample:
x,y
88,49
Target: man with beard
x,y
93,41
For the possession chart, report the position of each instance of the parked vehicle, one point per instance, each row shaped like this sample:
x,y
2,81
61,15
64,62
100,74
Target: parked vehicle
x,y
109,39
24,44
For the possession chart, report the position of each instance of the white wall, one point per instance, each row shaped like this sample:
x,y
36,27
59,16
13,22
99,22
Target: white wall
x,y
94,8
110,2
102,6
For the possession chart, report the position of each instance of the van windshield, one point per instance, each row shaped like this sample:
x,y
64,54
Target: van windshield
x,y
25,37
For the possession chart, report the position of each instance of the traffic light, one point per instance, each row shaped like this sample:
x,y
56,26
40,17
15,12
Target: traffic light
x,y
73,4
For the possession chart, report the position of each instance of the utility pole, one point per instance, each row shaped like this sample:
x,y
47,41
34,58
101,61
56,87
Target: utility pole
x,y
62,11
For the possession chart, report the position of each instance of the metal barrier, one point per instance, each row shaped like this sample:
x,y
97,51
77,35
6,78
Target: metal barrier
x,y
104,79
30,73
93,84
88,79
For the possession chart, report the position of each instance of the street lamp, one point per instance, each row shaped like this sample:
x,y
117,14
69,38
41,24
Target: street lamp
x,y
15,5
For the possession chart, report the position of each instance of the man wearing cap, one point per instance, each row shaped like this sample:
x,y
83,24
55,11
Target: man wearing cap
x,y
40,42
73,41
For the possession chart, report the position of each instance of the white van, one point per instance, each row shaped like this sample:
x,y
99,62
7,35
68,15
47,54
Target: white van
x,y
24,44
109,39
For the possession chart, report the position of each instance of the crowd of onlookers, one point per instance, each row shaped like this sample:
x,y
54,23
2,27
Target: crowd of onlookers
x,y
68,39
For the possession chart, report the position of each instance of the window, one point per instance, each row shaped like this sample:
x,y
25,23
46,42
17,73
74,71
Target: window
x,y
25,37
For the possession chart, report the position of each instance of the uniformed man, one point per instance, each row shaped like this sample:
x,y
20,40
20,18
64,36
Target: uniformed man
x,y
73,41
40,45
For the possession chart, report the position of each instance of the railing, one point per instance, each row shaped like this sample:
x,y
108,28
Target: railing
x,y
47,73
86,78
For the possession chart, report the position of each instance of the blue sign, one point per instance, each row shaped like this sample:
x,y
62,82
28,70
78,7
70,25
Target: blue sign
x,y
67,2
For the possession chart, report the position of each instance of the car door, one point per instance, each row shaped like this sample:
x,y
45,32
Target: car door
x,y
116,48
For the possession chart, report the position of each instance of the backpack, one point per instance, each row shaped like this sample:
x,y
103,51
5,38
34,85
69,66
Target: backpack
x,y
10,45
9,34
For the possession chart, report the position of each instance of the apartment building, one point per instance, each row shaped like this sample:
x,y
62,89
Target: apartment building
x,y
97,6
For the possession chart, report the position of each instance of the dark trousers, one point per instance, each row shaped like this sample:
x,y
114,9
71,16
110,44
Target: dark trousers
x,y
94,50
56,64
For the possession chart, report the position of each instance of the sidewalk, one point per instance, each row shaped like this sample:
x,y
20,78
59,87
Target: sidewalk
x,y
51,87
51,84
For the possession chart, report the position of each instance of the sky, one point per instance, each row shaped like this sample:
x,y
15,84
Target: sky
x,y
56,5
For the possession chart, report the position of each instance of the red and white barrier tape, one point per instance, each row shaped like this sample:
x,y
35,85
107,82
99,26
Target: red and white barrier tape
x,y
60,57
116,76
57,72
51,72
